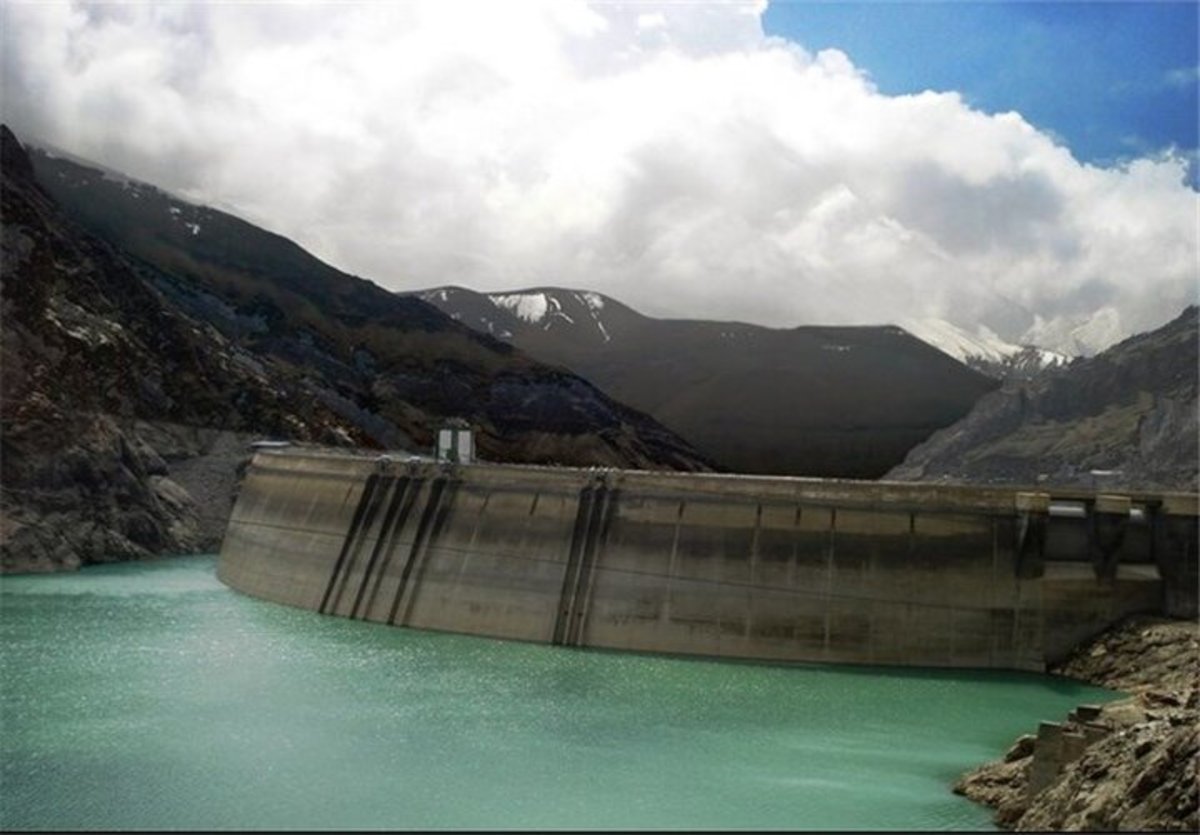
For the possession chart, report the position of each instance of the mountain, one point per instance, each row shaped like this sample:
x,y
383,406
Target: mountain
x,y
813,401
983,350
95,365
142,333
1082,335
1126,417
393,366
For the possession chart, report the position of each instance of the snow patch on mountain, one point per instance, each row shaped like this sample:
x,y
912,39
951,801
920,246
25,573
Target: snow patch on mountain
x,y
556,310
594,301
545,308
528,307
492,328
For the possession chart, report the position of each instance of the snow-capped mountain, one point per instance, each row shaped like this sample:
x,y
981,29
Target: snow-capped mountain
x,y
1082,335
1127,414
813,400
585,315
984,350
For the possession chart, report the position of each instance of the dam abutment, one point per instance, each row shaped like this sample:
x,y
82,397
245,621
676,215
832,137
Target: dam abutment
x,y
768,568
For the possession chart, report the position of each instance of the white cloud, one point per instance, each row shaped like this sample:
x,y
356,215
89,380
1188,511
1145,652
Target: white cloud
x,y
1182,77
654,20
668,154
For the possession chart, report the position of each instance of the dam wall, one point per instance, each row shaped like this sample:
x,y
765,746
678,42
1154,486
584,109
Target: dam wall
x,y
782,569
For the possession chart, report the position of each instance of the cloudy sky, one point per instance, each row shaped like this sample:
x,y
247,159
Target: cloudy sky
x,y
1027,166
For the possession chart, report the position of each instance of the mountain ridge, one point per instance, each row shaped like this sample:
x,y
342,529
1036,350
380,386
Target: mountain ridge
x,y
984,350
1127,417
138,340
359,342
841,401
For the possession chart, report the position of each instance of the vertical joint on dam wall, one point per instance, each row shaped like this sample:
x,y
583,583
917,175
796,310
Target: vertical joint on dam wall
x,y
1033,517
363,512
400,493
750,567
433,519
596,503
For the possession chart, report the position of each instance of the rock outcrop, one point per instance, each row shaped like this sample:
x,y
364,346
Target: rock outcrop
x,y
1125,418
101,380
1130,765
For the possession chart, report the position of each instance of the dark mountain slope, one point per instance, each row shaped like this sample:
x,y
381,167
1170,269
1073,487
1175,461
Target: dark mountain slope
x,y
393,366
129,391
817,401
89,351
1126,417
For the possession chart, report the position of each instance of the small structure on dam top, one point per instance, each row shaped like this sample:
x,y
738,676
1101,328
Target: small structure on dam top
x,y
455,442
769,568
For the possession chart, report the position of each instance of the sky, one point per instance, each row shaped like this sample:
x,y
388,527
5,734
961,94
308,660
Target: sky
x,y
1028,168
1111,80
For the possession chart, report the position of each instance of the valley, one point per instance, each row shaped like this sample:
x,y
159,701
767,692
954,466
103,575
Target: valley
x,y
821,401
146,335
572,415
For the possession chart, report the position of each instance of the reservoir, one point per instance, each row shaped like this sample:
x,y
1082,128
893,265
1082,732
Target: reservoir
x,y
150,696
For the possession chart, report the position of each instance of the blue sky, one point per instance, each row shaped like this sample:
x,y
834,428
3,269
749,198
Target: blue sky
x,y
1112,80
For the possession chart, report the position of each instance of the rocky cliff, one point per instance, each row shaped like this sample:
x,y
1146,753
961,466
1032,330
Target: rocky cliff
x,y
1130,765
135,371
94,362
1127,417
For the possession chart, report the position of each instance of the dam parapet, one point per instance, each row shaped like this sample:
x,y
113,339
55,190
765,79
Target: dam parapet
x,y
754,567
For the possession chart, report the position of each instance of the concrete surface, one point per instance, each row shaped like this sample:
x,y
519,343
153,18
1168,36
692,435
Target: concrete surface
x,y
781,569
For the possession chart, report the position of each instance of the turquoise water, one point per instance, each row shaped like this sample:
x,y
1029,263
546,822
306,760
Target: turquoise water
x,y
149,696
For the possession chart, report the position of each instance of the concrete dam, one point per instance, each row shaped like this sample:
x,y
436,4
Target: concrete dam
x,y
766,568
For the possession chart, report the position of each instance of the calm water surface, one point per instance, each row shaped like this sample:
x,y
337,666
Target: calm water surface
x,y
150,696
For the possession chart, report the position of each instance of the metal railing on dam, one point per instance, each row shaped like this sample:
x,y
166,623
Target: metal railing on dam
x,y
784,569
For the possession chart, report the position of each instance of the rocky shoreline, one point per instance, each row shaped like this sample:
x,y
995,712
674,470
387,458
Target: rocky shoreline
x,y
117,490
1129,765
